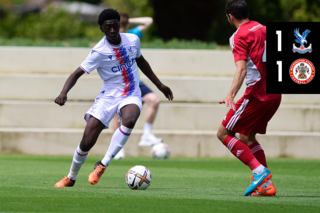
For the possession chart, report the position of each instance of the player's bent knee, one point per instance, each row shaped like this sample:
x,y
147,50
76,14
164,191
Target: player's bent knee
x,y
152,99
156,101
223,132
243,138
221,135
248,139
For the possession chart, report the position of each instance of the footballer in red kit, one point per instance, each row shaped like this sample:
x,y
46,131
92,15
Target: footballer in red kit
x,y
250,114
256,107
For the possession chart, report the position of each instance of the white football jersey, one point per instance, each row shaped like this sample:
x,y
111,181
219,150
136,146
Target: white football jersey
x,y
116,65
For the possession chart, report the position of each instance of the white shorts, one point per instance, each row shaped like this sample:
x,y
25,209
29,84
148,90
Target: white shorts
x,y
105,108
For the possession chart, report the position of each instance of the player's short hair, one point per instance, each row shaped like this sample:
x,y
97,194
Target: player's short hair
x,y
124,19
108,14
238,8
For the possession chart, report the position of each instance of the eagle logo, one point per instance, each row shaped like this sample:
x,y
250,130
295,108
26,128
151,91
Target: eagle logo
x,y
301,39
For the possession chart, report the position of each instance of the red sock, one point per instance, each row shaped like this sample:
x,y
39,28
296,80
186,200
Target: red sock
x,y
258,152
241,151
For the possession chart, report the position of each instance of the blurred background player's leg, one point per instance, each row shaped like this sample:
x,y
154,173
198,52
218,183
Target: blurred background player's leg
x,y
153,102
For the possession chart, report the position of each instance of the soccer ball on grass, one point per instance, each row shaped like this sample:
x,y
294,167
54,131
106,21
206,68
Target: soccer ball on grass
x,y
138,178
160,151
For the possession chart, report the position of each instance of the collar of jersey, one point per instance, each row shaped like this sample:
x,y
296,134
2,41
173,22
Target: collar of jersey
x,y
113,44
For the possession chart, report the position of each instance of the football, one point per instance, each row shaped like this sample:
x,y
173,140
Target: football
x,y
160,151
138,178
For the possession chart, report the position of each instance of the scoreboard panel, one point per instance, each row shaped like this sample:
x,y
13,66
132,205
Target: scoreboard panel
x,y
293,57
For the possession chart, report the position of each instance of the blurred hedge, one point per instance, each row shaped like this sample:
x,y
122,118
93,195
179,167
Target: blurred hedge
x,y
61,29
50,25
77,42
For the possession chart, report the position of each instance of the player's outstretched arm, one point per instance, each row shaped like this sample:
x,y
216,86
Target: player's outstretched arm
x,y
71,81
146,69
143,22
236,84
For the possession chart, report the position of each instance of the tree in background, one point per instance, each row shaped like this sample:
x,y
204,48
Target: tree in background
x,y
265,11
185,19
301,10
134,8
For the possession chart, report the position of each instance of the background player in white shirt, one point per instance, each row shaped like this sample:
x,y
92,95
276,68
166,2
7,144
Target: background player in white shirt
x,y
116,58
251,114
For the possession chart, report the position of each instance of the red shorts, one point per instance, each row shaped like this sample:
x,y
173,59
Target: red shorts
x,y
252,115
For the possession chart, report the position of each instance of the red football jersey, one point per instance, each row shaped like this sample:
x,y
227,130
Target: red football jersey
x,y
248,43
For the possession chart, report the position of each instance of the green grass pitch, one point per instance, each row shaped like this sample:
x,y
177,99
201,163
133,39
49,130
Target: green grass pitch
x,y
178,185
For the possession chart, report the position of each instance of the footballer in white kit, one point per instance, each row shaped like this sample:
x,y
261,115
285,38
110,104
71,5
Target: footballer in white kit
x,y
117,68
116,58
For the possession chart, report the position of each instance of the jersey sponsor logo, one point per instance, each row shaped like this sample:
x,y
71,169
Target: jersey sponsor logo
x,y
110,57
123,66
254,28
302,71
301,39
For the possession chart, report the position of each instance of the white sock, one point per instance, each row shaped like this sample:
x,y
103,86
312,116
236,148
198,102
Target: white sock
x,y
258,170
79,158
106,160
147,128
118,140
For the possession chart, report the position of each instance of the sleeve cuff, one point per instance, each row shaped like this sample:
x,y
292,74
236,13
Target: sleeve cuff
x,y
240,58
84,70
